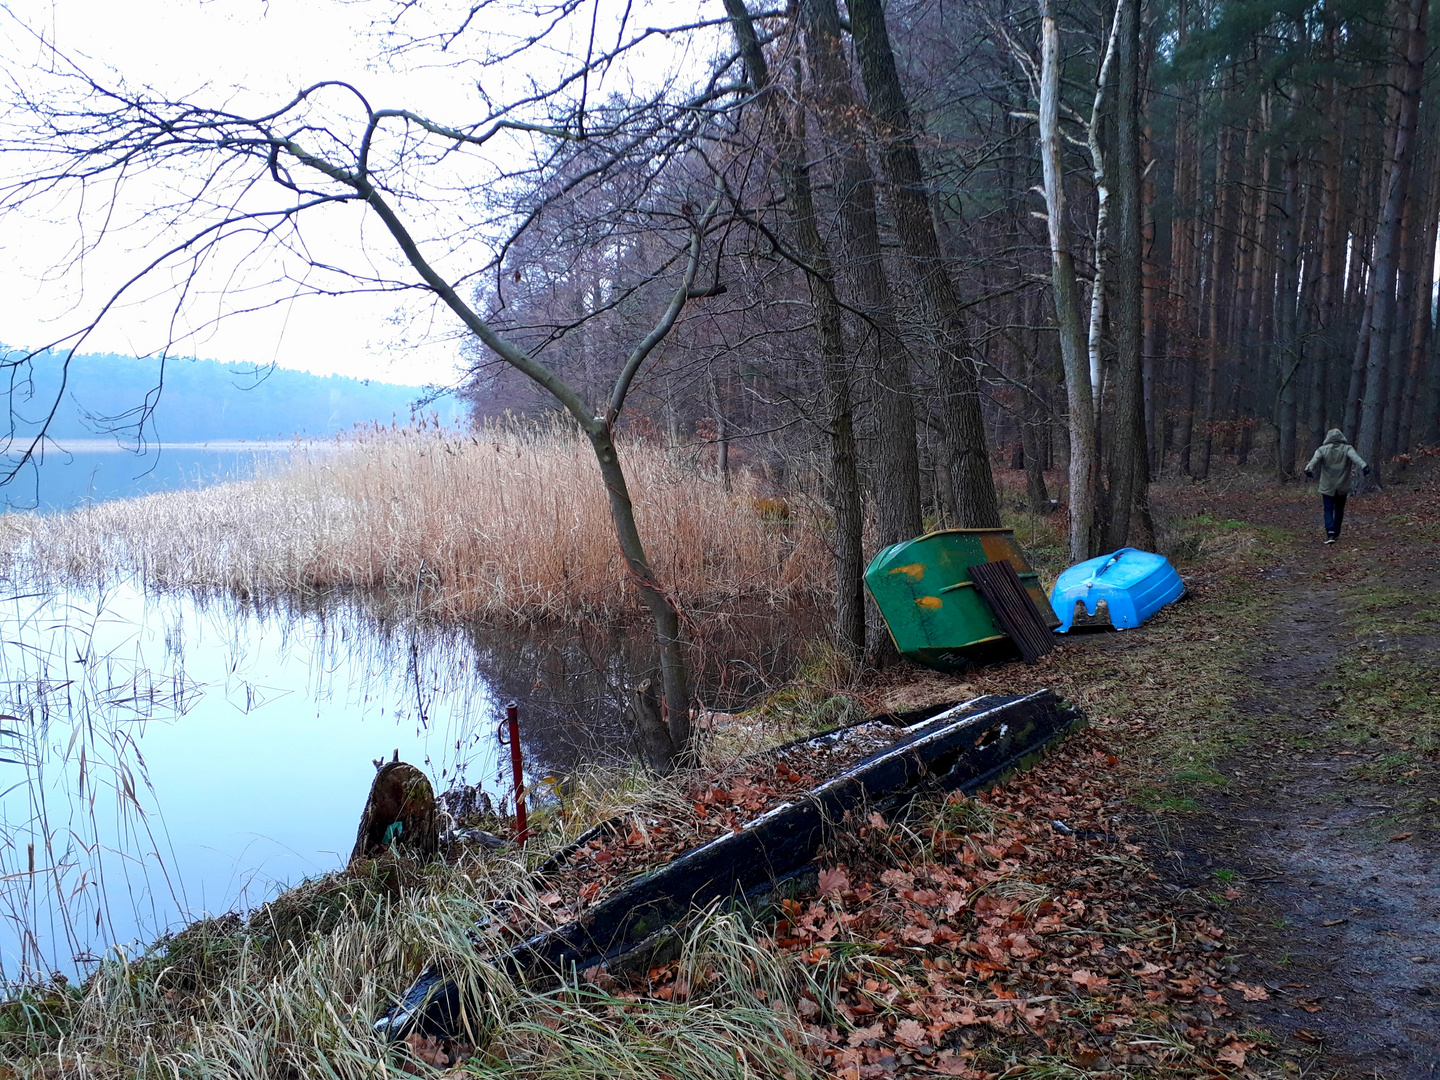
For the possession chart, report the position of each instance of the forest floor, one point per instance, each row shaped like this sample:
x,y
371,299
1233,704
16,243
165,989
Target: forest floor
x,y
1322,810
1278,740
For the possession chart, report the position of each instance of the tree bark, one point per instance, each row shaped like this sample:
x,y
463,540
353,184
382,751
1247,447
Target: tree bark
x,y
1332,256
897,487
1287,299
1079,400
845,501
1221,242
975,499
1129,457
1382,283
722,433
1422,327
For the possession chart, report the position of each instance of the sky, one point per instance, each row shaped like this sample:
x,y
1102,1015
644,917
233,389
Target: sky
x,y
183,46
244,53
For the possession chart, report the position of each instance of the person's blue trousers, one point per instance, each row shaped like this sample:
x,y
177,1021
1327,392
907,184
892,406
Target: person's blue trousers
x,y
1334,513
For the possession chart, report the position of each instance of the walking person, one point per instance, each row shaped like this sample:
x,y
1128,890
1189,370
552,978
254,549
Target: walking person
x,y
1337,460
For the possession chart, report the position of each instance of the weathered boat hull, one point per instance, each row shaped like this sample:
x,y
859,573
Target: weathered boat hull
x,y
961,748
935,614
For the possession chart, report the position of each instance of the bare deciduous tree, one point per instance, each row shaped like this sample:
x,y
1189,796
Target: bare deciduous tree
x,y
218,186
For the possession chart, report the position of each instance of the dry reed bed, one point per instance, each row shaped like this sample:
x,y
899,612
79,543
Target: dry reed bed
x,y
508,523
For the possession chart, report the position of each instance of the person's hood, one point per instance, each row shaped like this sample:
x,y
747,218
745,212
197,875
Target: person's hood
x,y
1334,437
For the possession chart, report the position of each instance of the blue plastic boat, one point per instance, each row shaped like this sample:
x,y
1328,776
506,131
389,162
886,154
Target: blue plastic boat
x,y
1134,585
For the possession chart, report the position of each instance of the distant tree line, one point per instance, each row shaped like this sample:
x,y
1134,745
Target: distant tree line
x,y
197,400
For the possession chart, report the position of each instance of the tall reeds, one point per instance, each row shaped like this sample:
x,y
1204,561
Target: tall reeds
x,y
507,524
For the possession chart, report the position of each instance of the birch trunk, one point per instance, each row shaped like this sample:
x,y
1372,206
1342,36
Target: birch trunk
x,y
1079,399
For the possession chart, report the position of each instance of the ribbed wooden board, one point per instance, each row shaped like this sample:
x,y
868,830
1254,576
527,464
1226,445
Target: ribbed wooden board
x,y
1005,593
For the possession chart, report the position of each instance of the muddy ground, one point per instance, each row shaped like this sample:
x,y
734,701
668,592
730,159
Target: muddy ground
x,y
1319,827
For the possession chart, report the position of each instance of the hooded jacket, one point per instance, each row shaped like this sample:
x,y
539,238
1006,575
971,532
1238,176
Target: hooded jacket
x,y
1338,461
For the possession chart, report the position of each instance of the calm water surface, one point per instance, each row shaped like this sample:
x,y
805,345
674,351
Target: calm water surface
x,y
163,758
73,472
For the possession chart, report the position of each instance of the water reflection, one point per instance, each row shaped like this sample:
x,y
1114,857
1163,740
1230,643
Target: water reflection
x,y
162,757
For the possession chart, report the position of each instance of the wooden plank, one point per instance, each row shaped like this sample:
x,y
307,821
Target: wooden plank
x,y
1007,597
959,749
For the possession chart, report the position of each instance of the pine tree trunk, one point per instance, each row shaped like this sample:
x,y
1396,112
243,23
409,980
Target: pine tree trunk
x,y
1388,238
1422,325
1287,299
1332,256
1400,336
1129,457
1221,246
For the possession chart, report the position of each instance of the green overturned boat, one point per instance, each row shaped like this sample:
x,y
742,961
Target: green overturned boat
x,y
935,614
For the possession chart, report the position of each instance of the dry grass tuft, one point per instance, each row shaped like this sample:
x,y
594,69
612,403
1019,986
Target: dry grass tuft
x,y
511,523
296,996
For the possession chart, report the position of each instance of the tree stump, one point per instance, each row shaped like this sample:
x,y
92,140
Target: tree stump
x,y
399,814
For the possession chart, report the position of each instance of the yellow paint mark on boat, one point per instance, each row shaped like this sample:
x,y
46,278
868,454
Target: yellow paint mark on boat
x,y
929,603
915,570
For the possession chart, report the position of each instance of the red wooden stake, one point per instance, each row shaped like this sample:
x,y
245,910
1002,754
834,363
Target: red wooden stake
x,y
512,720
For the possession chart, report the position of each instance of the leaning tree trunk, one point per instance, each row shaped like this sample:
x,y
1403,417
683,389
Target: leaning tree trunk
x,y
897,487
974,484
845,501
1073,354
675,697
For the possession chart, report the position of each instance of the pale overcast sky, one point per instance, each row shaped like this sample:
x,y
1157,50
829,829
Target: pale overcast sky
x,y
241,52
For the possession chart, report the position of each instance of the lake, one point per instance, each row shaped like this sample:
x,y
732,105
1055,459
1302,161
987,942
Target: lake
x,y
165,757
75,471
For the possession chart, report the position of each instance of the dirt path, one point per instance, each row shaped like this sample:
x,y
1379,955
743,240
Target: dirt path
x,y
1320,832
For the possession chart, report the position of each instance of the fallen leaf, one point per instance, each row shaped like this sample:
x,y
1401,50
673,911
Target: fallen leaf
x,y
1401,836
1251,991
833,882
1232,1055
910,1033
1308,1036
1334,922
1088,979
865,1034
